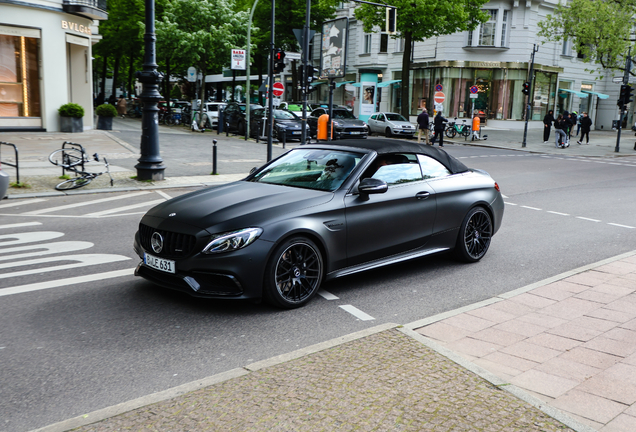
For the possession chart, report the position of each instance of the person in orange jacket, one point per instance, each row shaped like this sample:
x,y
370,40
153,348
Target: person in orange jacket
x,y
476,127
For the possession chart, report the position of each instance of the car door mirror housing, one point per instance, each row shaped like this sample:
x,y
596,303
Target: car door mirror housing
x,y
372,186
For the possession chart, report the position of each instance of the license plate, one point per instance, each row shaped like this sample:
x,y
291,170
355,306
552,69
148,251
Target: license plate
x,y
354,133
296,133
161,264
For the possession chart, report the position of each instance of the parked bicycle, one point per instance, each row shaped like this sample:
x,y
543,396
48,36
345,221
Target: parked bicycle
x,y
72,157
453,129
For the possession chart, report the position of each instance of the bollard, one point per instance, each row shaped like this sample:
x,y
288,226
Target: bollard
x,y
227,129
284,140
213,157
219,123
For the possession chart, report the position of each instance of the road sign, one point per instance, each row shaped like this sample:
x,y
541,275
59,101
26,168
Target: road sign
x,y
474,89
439,88
292,55
278,89
619,80
439,97
192,74
473,95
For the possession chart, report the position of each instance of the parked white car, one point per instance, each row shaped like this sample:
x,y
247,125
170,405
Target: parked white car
x,y
391,124
210,114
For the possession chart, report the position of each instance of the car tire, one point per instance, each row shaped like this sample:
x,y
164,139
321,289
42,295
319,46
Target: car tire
x,y
241,128
474,236
388,133
293,274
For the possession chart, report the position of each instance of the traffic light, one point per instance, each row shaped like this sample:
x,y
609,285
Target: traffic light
x,y
279,61
391,17
310,74
626,95
526,88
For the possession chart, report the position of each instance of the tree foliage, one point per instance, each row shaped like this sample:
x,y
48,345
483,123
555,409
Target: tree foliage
x,y
418,20
602,31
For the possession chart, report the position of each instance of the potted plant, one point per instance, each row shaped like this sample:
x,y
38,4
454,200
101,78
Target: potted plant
x,y
71,117
105,114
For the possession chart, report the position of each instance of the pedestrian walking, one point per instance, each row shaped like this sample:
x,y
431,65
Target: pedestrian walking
x,y
439,126
586,124
548,120
559,132
567,121
121,106
573,122
476,127
422,121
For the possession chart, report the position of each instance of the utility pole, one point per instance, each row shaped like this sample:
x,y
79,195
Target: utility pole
x,y
305,65
535,48
270,87
628,67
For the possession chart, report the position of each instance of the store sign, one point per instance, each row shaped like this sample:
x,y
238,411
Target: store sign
x,y
239,59
475,64
70,25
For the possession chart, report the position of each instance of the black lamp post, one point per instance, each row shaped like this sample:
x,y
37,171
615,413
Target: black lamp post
x,y
150,166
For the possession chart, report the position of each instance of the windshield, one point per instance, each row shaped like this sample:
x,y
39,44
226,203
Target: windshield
x,y
285,115
324,170
395,117
343,114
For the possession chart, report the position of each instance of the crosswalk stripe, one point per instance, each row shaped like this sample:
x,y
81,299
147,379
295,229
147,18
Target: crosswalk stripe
x,y
20,202
120,209
19,225
81,260
65,282
85,203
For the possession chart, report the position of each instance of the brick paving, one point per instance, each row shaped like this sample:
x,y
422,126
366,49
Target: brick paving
x,y
383,382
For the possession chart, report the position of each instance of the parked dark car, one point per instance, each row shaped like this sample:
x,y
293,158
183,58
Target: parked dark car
x,y
285,122
4,183
345,124
234,116
316,213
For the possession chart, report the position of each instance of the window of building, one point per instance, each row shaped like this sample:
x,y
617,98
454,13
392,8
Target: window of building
x,y
366,46
384,42
487,30
566,50
19,83
399,45
504,27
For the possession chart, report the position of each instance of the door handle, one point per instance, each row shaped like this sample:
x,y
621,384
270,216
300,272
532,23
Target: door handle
x,y
422,195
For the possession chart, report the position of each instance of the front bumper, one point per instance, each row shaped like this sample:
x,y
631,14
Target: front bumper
x,y
238,274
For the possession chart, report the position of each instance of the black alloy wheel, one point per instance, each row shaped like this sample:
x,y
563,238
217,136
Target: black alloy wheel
x,y
388,133
474,236
294,273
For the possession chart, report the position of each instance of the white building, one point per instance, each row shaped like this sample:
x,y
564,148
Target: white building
x,y
495,58
45,60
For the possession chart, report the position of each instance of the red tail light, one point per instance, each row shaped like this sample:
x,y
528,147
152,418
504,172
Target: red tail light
x,y
497,187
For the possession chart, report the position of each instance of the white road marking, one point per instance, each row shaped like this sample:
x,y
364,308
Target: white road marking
x,y
503,196
29,237
20,202
531,208
327,295
45,249
357,313
509,203
163,194
587,219
619,225
82,260
20,225
558,213
85,203
65,282
120,209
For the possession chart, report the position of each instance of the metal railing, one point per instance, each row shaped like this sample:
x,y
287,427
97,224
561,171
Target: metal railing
x,y
15,165
97,4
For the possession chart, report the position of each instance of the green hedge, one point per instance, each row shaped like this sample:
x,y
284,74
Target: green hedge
x,y
106,110
71,110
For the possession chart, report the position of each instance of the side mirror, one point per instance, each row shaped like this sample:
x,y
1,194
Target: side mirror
x,y
369,186
253,170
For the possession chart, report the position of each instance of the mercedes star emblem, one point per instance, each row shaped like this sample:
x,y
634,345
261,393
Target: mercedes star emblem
x,y
156,242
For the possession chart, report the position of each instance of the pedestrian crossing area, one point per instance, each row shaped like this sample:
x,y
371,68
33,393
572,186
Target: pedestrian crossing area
x,y
43,245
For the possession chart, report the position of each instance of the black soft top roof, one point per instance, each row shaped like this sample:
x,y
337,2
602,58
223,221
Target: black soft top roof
x,y
383,146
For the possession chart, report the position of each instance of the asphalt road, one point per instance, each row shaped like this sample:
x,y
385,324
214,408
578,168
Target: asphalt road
x,y
82,345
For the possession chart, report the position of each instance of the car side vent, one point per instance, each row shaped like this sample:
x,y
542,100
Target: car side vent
x,y
175,245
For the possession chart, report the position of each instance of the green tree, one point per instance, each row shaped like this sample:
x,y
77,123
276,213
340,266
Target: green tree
x,y
203,32
600,31
418,20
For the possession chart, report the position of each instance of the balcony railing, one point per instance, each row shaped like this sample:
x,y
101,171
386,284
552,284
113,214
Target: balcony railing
x,y
93,9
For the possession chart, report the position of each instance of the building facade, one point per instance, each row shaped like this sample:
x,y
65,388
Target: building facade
x,y
46,60
481,70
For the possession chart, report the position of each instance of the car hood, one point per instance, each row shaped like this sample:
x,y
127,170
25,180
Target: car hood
x,y
235,205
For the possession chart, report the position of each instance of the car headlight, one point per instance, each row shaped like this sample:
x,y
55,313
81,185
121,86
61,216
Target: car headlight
x,y
233,240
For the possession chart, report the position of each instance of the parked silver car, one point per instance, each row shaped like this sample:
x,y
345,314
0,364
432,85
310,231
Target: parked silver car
x,y
391,124
210,114
4,183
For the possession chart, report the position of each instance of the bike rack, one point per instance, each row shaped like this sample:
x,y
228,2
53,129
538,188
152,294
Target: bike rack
x,y
75,146
16,165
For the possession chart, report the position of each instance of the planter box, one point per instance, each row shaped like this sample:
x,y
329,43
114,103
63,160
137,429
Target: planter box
x,y
71,124
104,123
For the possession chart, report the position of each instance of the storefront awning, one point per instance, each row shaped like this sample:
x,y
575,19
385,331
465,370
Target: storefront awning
x,y
578,93
600,95
356,84
314,84
338,84
388,83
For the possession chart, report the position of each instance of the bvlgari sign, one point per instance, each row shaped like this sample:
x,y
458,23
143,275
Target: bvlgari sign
x,y
70,25
477,64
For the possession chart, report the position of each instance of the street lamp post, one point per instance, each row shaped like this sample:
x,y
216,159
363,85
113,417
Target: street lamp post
x,y
150,166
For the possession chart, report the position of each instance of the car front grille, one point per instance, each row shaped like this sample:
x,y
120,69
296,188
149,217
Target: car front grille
x,y
175,245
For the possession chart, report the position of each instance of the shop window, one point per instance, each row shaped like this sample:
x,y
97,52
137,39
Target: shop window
x,y
384,42
19,84
366,46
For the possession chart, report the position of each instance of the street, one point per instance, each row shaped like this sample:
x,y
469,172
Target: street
x,y
80,333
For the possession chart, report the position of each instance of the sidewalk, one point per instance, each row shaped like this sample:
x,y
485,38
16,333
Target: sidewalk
x,y
557,355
